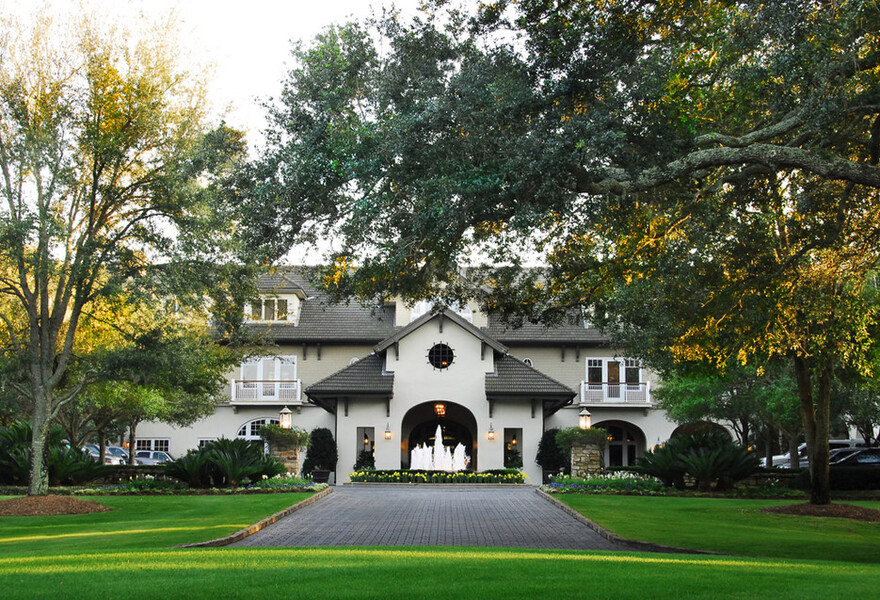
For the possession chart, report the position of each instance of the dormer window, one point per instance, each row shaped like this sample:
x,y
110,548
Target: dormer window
x,y
273,309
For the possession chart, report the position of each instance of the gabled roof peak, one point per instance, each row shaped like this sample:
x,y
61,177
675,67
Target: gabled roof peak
x,y
441,313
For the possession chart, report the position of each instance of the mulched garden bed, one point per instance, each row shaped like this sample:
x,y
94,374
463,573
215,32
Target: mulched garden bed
x,y
843,511
36,506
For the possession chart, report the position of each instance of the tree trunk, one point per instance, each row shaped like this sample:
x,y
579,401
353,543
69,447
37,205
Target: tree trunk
x,y
794,456
132,439
102,445
38,478
816,414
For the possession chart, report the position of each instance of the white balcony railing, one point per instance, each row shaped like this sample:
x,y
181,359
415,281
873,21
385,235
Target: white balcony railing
x,y
253,391
615,393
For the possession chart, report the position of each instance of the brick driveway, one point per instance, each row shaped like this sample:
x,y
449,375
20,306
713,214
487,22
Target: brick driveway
x,y
431,516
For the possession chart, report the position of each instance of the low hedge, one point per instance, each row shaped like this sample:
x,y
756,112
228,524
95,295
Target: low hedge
x,y
406,476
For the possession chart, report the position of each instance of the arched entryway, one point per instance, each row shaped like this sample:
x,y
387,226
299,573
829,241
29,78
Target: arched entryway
x,y
626,443
456,422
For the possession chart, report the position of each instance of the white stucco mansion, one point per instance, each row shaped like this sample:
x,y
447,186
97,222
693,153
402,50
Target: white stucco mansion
x,y
382,378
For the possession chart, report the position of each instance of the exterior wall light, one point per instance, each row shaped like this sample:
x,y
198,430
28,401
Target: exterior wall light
x,y
491,433
388,431
285,418
440,409
585,420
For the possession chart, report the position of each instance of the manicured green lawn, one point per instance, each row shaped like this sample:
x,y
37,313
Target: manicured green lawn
x,y
424,573
139,523
126,553
732,527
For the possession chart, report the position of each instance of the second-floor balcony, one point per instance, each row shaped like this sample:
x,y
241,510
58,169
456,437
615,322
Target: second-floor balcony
x,y
265,391
616,393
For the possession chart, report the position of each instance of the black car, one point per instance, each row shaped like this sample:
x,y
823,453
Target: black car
x,y
869,457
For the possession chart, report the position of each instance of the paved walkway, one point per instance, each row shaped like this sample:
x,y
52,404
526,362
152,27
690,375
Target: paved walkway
x,y
431,516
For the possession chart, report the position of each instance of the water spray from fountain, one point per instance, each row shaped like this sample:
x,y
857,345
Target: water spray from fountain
x,y
438,458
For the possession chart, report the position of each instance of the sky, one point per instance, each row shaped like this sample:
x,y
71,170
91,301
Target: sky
x,y
247,41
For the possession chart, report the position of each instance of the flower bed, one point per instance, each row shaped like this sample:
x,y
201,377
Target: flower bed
x,y
610,483
496,476
150,486
634,484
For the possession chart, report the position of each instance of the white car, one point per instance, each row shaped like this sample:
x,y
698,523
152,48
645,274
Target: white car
x,y
152,457
109,459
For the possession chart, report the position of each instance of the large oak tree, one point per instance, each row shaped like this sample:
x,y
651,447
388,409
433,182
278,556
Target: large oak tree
x,y
701,176
106,170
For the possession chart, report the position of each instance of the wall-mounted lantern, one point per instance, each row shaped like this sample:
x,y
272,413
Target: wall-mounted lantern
x,y
388,431
491,433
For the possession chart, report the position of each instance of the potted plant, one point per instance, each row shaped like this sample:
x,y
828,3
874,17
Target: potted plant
x,y
321,455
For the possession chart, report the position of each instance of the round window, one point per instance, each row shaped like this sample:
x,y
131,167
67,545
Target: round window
x,y
440,356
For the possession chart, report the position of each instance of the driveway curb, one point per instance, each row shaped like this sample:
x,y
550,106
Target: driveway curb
x,y
243,533
612,537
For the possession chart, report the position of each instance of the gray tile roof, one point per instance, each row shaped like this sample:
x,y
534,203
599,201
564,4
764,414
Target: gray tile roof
x,y
365,377
512,377
531,333
324,321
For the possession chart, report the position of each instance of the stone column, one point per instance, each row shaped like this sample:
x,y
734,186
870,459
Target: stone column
x,y
586,459
288,455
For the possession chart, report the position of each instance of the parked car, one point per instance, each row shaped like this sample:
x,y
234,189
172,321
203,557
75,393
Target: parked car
x,y
839,454
784,460
153,457
95,455
117,451
868,457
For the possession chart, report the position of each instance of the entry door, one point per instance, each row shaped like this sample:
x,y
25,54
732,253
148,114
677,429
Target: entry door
x,y
613,379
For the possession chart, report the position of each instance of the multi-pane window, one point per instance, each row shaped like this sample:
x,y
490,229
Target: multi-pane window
x,y
269,309
632,371
251,429
157,444
609,371
269,368
594,370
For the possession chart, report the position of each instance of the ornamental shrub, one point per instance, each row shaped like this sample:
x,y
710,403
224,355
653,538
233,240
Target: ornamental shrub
x,y
322,453
712,458
568,437
224,463
192,469
550,455
365,461
66,465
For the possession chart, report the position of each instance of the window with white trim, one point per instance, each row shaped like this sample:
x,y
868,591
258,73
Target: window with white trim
x,y
601,370
251,429
274,309
157,444
594,371
205,441
269,368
